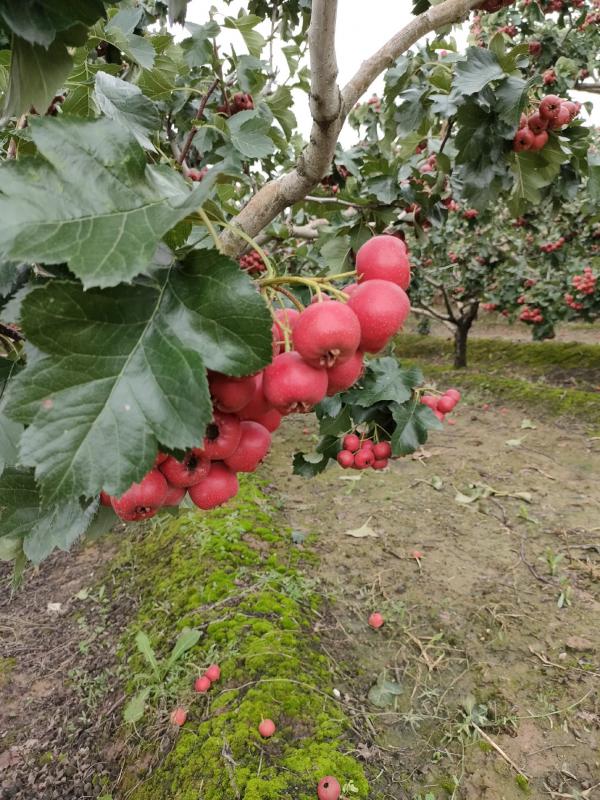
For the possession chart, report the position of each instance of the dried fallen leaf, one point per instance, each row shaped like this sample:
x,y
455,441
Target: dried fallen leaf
x,y
363,532
528,424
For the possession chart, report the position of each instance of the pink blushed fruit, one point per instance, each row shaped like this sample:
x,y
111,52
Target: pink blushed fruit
x,y
267,728
376,620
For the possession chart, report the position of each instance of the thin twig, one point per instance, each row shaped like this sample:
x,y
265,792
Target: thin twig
x,y
199,113
11,152
499,750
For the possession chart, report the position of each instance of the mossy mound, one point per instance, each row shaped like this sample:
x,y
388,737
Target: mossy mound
x,y
235,575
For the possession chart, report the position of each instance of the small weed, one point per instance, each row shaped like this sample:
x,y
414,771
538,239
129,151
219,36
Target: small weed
x,y
553,560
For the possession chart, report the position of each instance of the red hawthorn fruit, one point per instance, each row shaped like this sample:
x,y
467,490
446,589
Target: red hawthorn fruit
x,y
267,728
197,174
345,459
381,308
384,257
105,499
549,77
343,376
367,444
523,140
174,496
562,118
453,393
523,121
364,458
376,620
430,400
327,334
537,123
285,319
379,463
573,108
213,673
222,437
329,789
142,500
258,405
202,684
178,716
382,450
439,415
320,298
446,404
540,141
351,442
160,458
252,449
550,107
535,49
231,394
291,385
271,420
181,474
219,486
350,289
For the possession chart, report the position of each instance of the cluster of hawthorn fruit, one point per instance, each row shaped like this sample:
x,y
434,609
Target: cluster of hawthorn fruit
x,y
585,285
317,352
553,114
252,262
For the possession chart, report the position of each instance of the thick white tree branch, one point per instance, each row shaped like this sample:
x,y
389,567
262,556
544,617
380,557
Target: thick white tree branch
x,y
329,108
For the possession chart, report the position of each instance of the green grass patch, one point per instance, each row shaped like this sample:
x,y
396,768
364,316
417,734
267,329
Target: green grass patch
x,y
234,575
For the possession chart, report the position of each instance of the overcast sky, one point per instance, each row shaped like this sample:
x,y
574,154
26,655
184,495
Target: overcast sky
x,y
362,27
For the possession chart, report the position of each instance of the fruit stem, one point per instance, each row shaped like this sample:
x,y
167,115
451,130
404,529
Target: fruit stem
x,y
316,284
290,297
210,228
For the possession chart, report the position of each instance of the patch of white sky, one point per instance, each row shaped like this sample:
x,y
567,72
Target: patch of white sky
x,y
362,28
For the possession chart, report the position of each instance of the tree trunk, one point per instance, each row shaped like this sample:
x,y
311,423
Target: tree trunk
x,y
460,345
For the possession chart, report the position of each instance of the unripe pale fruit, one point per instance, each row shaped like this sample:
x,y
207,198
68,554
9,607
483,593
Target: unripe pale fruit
x,y
219,486
446,404
376,620
381,308
326,334
231,394
202,684
292,385
222,436
258,405
550,107
342,376
267,728
345,459
142,500
385,258
178,716
181,474
329,789
364,458
175,495
252,449
382,450
213,673
351,442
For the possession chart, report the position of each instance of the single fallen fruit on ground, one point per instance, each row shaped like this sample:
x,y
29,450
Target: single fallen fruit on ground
x,y
267,728
213,673
376,620
202,684
178,716
329,788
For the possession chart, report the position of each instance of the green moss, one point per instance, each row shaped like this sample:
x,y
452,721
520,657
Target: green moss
x,y
7,665
235,574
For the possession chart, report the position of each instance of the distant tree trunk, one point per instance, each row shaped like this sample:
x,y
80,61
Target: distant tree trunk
x,y
461,334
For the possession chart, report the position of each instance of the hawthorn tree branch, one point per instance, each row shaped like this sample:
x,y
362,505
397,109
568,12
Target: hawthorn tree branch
x,y
199,113
329,108
425,311
592,88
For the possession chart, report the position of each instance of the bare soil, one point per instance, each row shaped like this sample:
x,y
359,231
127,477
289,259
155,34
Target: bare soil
x,y
491,639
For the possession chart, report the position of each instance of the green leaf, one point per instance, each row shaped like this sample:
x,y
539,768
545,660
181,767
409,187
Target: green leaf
x,y
480,68
177,11
107,235
135,708
126,19
245,25
384,381
248,132
281,104
413,420
39,22
511,96
188,638
383,694
81,83
10,433
136,48
142,643
198,48
125,103
36,75
59,527
335,252
124,370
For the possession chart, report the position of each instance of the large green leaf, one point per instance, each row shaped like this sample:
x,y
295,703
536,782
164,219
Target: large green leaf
x,y
38,21
198,48
36,75
413,421
81,83
124,370
480,68
246,24
106,227
249,134
384,381
41,529
126,104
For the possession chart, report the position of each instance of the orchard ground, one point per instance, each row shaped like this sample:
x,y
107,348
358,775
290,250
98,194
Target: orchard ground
x,y
490,650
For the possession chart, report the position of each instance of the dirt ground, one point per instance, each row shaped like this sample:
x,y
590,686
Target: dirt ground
x,y
488,664
492,607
